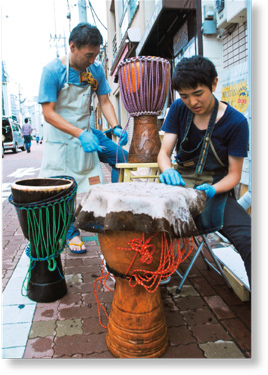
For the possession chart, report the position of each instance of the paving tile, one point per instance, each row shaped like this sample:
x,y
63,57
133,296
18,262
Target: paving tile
x,y
80,288
80,344
174,319
71,299
103,296
180,335
81,269
43,328
169,304
73,262
14,297
13,353
46,312
228,295
219,307
39,348
17,313
184,351
244,313
15,335
75,312
186,291
69,327
190,303
73,278
209,332
221,349
202,286
239,332
199,316
212,277
92,325
104,354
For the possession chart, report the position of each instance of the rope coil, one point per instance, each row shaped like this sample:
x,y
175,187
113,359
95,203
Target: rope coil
x,y
150,280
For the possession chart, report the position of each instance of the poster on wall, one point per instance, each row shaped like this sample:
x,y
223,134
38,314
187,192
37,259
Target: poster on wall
x,y
234,88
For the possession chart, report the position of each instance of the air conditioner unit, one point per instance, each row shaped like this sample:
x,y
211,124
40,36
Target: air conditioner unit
x,y
221,19
236,11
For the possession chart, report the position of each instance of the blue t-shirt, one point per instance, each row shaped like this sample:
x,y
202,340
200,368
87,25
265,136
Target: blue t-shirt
x,y
230,135
54,77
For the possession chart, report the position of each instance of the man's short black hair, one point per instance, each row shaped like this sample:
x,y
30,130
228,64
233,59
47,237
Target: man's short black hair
x,y
192,72
85,34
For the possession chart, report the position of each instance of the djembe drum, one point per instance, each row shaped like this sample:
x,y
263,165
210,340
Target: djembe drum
x,y
45,208
137,224
144,83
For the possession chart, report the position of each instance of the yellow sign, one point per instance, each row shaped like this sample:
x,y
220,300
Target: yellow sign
x,y
236,94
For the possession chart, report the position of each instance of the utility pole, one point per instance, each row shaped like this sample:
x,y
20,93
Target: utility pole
x,y
82,10
56,39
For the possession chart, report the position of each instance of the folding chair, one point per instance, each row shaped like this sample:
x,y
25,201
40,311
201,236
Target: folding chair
x,y
198,251
138,171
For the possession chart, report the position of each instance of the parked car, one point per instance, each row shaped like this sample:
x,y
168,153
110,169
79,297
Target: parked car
x,y
12,135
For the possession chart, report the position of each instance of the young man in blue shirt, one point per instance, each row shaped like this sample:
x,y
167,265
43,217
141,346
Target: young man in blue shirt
x,y
211,140
71,147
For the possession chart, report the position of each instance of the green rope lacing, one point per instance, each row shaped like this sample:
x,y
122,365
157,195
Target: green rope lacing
x,y
47,229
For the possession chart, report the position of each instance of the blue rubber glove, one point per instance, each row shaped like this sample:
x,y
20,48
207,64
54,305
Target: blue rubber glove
x,y
119,132
208,189
171,177
89,142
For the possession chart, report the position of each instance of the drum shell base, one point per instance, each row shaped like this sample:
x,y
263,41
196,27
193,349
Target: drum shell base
x,y
137,325
44,285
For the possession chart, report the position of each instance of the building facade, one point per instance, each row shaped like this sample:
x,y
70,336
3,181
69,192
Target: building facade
x,y
217,29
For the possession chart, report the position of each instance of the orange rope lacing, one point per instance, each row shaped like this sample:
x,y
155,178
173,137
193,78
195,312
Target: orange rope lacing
x,y
150,280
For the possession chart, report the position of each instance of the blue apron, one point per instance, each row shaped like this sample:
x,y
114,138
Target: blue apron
x,y
203,165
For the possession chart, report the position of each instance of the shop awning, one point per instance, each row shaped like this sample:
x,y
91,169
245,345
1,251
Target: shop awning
x,y
167,18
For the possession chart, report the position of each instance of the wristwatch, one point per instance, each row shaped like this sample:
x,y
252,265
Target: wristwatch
x,y
117,127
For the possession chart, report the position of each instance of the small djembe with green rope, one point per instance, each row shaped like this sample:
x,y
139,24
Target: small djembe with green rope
x,y
45,208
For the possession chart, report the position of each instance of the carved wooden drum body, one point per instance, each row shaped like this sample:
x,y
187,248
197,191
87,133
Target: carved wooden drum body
x,y
137,224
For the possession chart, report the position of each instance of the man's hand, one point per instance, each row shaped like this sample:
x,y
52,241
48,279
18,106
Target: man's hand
x,y
89,142
208,189
171,177
120,133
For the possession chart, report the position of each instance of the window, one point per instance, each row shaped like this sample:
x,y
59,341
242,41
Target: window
x,y
126,11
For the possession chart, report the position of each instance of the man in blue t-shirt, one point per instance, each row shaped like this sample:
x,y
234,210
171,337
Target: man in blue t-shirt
x,y
211,140
71,147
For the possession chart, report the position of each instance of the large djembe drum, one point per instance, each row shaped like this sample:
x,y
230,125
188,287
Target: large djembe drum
x,y
45,208
144,83
137,225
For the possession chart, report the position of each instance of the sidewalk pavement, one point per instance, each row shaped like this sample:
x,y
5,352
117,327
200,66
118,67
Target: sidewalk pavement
x,y
206,320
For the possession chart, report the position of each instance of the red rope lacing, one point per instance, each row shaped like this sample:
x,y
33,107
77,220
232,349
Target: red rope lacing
x,y
150,280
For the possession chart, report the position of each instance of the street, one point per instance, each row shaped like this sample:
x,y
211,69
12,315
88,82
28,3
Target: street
x,y
20,166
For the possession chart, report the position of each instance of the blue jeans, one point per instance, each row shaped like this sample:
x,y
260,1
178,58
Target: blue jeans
x,y
112,154
27,141
237,229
